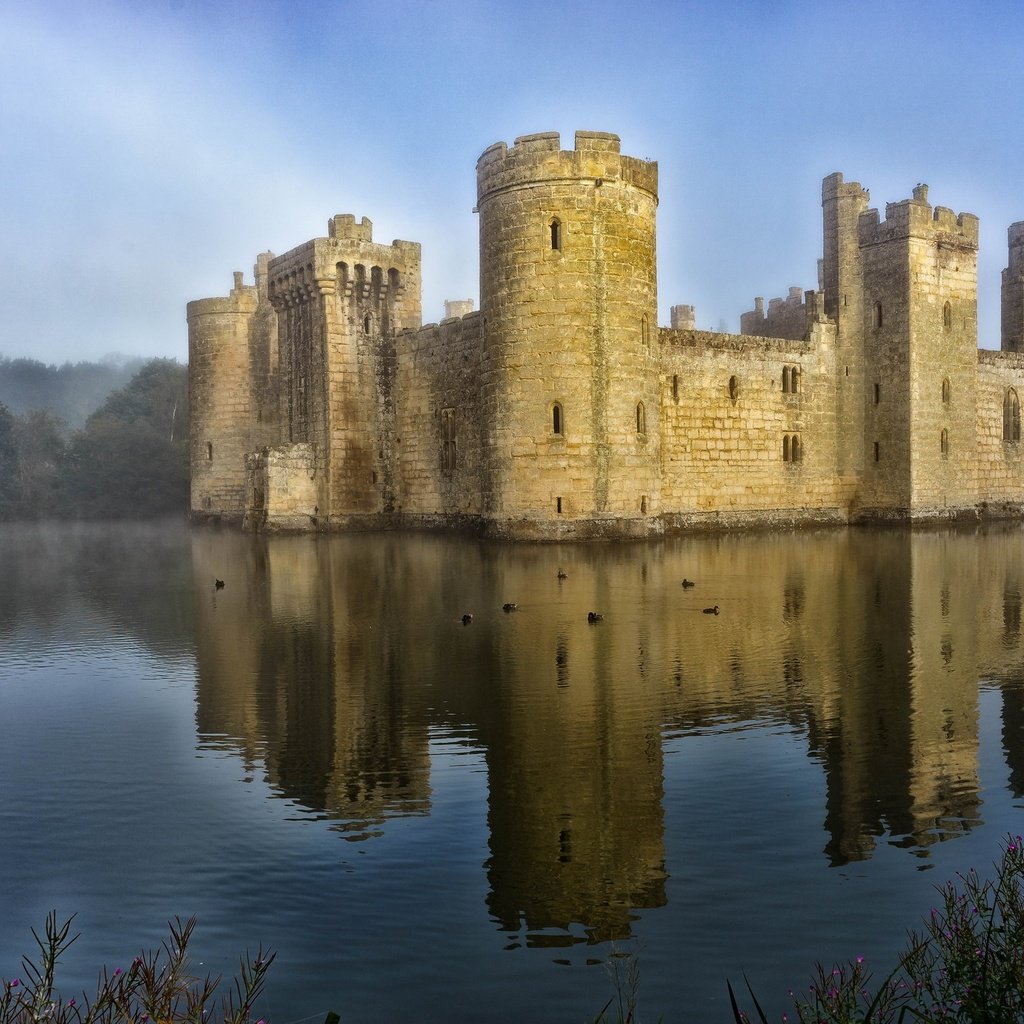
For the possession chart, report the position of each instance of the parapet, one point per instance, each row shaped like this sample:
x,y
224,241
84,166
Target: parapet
x,y
242,298
915,218
788,317
833,187
596,157
343,225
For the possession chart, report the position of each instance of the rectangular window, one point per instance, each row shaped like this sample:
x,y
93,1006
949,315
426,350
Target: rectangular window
x,y
878,393
448,446
877,452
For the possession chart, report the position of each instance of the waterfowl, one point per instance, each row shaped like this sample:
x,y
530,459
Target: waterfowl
x,y
218,584
509,606
562,574
689,583
594,616
711,611
467,619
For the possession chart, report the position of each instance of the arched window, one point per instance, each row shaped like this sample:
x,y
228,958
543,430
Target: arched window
x,y
675,387
645,331
734,388
796,452
946,391
641,418
785,380
877,321
556,233
785,448
1011,416
944,443
794,380
557,423
947,316
209,450
367,323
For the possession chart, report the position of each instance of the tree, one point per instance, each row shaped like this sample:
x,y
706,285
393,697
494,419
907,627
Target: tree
x,y
8,465
131,458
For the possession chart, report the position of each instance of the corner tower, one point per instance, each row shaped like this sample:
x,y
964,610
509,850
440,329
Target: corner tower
x,y
232,376
920,273
568,297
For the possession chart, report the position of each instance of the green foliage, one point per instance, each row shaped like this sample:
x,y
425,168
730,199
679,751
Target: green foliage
x,y
966,965
8,464
156,988
70,392
131,458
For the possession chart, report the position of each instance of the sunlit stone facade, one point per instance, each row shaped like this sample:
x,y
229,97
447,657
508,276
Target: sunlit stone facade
x,y
560,409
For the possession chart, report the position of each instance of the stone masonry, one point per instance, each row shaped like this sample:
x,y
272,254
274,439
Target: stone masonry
x,y
559,409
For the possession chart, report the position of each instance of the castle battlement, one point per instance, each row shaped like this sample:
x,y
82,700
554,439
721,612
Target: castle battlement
x,y
915,218
538,158
560,410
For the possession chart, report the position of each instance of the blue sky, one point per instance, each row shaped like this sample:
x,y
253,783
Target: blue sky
x,y
150,148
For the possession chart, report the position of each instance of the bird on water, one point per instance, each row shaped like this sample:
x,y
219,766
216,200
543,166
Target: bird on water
x,y
562,574
467,619
218,584
711,611
689,583
509,606
594,616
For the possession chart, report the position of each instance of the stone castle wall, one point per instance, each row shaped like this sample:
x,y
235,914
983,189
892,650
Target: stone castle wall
x,y
561,410
734,443
440,456
232,392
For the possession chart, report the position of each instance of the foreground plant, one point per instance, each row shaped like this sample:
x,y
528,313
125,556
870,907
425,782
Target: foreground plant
x,y
156,988
966,965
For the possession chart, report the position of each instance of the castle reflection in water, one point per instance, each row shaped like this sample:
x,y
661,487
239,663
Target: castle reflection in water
x,y
331,663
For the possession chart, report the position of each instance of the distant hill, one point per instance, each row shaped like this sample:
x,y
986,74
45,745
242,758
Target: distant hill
x,y
72,391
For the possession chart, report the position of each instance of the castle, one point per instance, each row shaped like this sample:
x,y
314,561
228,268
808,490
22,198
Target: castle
x,y
560,409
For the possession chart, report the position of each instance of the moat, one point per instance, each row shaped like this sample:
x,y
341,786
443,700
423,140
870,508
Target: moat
x,y
433,821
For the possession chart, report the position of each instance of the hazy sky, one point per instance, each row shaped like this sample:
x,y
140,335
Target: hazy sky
x,y
152,147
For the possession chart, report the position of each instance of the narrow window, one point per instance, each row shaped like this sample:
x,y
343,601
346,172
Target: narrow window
x,y
558,505
734,388
209,450
794,380
556,233
366,324
795,450
878,452
785,380
675,387
944,443
449,451
645,331
947,316
878,393
1011,416
556,419
878,316
641,418
946,391
643,505
785,448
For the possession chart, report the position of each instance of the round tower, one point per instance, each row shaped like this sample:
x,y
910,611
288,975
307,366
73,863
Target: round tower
x,y
220,388
568,297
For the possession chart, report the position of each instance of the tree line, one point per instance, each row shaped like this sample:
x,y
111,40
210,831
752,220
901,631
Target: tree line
x,y
129,458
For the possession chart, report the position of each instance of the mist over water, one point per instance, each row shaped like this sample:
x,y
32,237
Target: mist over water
x,y
430,819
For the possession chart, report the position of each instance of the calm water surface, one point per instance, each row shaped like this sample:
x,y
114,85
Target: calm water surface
x,y
431,821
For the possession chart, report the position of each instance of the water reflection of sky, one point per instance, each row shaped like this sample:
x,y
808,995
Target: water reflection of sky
x,y
323,753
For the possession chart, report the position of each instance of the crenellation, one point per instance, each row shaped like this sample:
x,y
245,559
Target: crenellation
x,y
559,409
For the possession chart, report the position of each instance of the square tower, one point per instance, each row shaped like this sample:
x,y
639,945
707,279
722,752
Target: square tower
x,y
920,359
